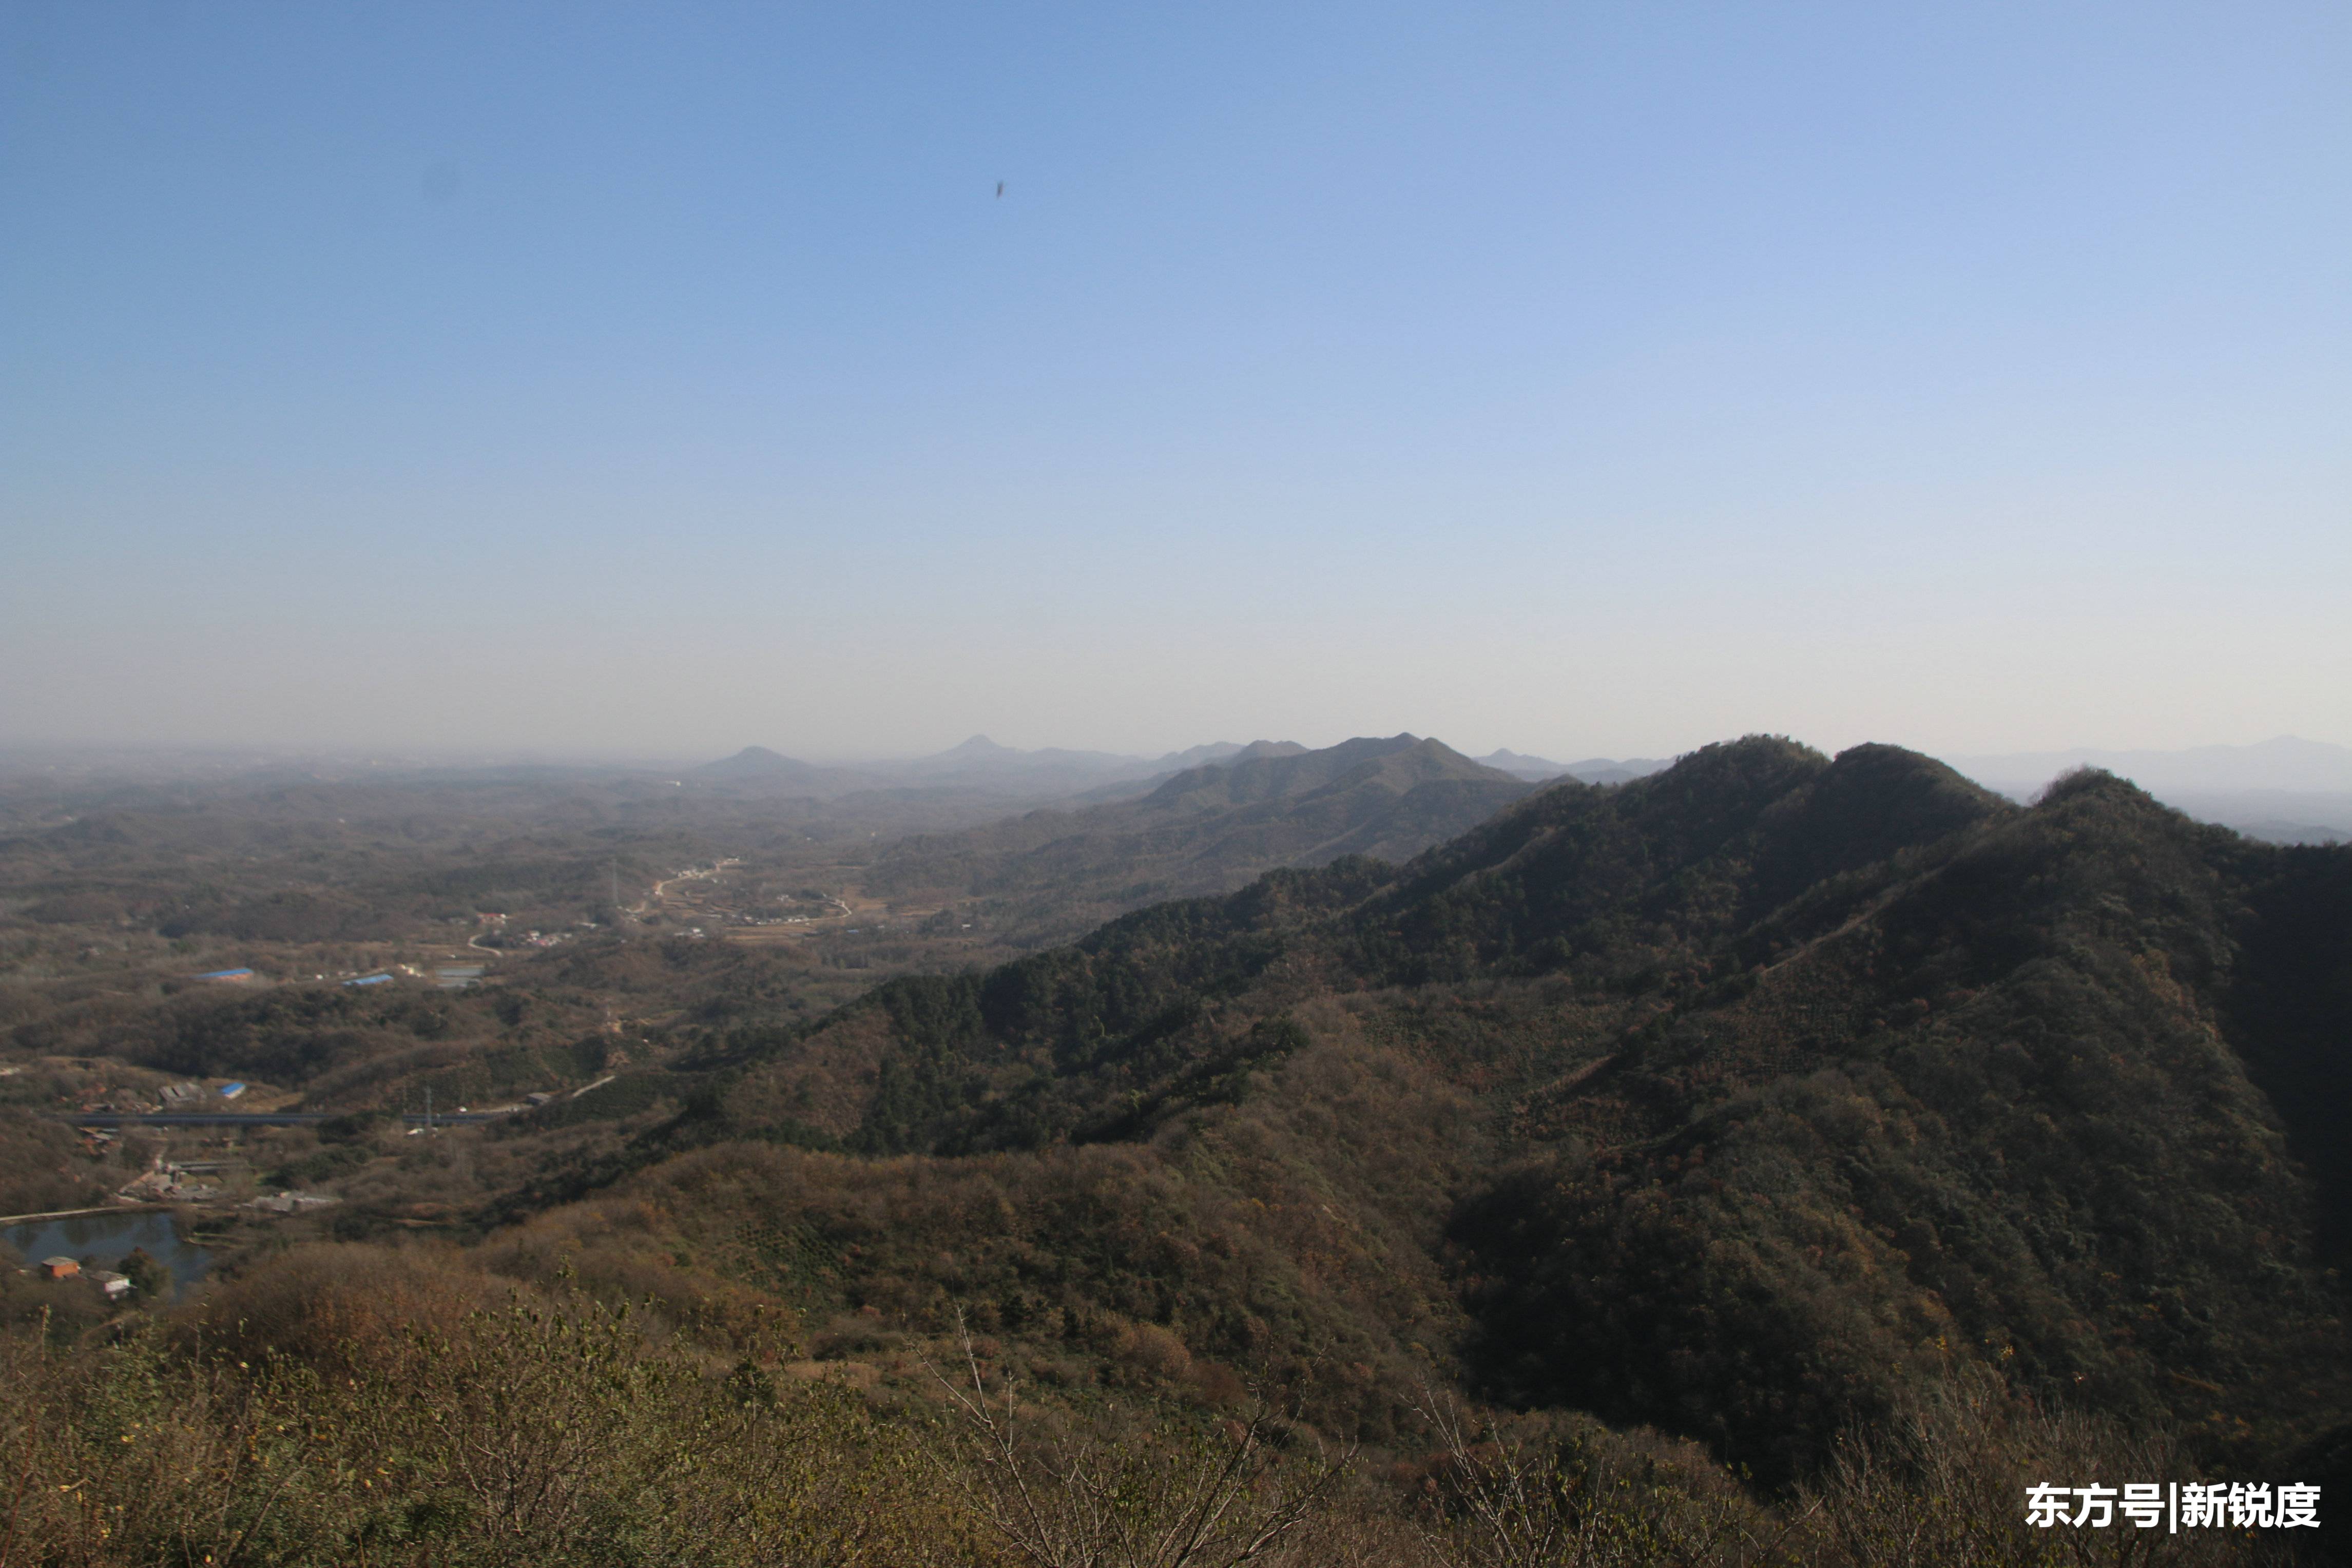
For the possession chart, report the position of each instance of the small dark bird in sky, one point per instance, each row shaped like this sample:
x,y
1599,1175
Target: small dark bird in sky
x,y
1000,189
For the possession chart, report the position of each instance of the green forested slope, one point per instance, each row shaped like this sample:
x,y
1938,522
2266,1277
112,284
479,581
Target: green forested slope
x,y
1738,1100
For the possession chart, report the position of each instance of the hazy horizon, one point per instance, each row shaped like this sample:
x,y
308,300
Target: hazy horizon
x,y
2306,765
620,755
586,380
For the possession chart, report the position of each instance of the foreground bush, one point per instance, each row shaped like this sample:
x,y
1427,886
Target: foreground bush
x,y
530,1433
451,1427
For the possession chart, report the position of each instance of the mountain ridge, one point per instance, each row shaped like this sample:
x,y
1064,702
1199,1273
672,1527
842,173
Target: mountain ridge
x,y
976,763
1592,771
1210,827
1799,1077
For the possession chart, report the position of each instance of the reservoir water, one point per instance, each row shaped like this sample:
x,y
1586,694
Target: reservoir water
x,y
107,1238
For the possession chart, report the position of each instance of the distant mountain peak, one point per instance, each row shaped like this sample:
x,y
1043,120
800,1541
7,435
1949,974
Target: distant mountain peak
x,y
2283,763
756,759
1592,771
757,768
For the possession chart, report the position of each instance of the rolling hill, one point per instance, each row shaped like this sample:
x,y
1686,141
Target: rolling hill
x,y
758,769
1205,829
1592,771
977,766
1742,1101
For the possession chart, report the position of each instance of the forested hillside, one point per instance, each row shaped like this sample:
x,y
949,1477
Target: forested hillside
x,y
1740,1100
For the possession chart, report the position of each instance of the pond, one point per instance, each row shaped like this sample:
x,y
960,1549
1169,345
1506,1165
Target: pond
x,y
108,1238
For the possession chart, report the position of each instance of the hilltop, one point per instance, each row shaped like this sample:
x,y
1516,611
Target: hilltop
x,y
976,766
1205,829
2282,790
1592,771
756,767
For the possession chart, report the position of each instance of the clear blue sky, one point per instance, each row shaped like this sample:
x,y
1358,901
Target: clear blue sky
x,y
1587,379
